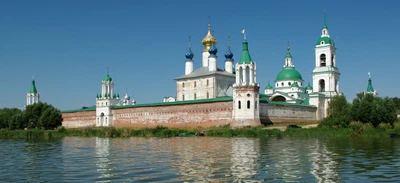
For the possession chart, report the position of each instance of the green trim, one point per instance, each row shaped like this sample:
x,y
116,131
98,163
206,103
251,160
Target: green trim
x,y
245,59
263,100
219,99
83,109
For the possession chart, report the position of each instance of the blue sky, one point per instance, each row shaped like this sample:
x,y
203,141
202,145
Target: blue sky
x,y
68,45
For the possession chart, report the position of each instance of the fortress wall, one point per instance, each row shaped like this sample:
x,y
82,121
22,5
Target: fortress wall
x,y
178,116
271,113
79,119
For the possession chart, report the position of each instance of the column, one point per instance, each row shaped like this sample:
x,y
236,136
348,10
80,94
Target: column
x,y
244,75
251,81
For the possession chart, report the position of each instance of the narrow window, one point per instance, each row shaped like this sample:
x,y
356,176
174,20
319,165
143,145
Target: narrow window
x,y
195,84
248,104
282,84
183,97
322,60
183,85
239,105
207,82
208,95
290,84
321,85
195,96
255,105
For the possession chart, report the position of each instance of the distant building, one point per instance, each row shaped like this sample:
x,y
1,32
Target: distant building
x,y
32,96
370,89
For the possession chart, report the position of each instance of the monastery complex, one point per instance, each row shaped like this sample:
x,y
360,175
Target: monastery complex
x,y
212,96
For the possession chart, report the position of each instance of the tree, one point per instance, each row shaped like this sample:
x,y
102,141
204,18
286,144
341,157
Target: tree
x,y
372,109
338,113
51,118
6,114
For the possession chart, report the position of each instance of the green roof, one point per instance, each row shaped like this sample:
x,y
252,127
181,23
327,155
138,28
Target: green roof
x,y
264,100
370,88
269,86
33,87
326,40
107,78
295,84
92,108
288,73
288,55
245,59
309,87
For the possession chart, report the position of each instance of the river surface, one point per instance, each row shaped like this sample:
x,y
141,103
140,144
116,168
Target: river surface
x,y
200,159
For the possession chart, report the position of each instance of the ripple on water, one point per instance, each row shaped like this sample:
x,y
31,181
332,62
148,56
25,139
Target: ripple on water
x,y
200,159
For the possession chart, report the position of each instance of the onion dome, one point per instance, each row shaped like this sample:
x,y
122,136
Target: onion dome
x,y
209,39
126,97
189,54
229,54
33,87
213,50
97,95
269,86
107,78
309,87
117,95
289,73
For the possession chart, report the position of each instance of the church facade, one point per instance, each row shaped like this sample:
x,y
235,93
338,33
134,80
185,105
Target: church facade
x,y
212,96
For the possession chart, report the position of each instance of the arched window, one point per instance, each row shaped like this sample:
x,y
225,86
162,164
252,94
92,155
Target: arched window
x,y
208,95
277,84
106,120
195,84
322,60
332,60
195,96
279,99
183,97
290,84
207,82
282,84
239,105
321,85
183,85
106,103
248,104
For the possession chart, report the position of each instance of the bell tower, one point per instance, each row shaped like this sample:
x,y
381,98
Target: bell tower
x,y
326,75
105,101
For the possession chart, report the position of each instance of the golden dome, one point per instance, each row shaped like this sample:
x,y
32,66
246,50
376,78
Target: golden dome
x,y
208,40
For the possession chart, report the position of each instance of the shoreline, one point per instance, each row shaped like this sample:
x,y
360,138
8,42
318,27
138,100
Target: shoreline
x,y
309,130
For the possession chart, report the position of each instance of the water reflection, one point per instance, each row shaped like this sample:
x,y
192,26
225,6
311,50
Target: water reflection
x,y
200,159
102,157
244,157
323,164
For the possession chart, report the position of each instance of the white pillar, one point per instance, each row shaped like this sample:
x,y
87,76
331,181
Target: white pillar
x,y
238,75
251,80
188,67
228,66
212,61
244,75
205,59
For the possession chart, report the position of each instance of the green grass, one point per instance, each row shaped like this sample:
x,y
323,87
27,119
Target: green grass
x,y
355,129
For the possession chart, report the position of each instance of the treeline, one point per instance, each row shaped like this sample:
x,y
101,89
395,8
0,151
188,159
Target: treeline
x,y
36,116
365,108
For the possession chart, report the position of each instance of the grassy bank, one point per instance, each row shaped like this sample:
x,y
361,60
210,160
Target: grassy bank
x,y
355,129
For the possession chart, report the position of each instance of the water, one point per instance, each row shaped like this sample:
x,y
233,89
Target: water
x,y
200,159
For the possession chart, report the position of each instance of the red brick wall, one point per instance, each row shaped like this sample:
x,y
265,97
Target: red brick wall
x,y
79,119
179,116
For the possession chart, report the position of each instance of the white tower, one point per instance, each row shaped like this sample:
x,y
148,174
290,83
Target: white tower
x,y
326,75
105,101
207,42
246,110
370,89
212,59
229,58
32,96
189,60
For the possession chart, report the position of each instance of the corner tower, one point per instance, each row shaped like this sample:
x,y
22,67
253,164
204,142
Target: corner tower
x,y
105,101
370,88
246,110
32,96
326,75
